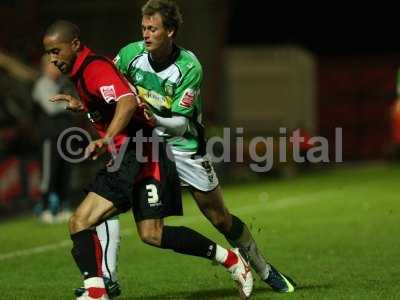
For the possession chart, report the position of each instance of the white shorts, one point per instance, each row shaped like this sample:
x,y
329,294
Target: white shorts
x,y
198,173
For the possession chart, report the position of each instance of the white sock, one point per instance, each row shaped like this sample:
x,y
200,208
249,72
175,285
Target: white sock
x,y
109,236
221,254
96,282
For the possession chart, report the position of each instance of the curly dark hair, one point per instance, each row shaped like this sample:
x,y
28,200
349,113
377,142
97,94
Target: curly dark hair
x,y
169,11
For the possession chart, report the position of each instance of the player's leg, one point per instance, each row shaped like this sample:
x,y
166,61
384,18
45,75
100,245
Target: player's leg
x,y
109,236
235,231
51,202
199,174
181,239
157,199
56,176
238,234
63,177
86,249
117,187
108,233
186,241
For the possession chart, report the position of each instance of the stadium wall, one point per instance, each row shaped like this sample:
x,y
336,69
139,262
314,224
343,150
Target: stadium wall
x,y
356,93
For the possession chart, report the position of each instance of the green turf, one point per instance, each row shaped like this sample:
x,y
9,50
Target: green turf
x,y
335,232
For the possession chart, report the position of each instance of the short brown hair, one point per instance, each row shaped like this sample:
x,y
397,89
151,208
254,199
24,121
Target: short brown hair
x,y
169,11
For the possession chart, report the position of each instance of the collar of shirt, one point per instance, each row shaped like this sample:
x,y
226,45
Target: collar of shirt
x,y
85,52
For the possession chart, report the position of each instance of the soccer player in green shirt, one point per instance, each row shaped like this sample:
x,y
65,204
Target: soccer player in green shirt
x,y
168,79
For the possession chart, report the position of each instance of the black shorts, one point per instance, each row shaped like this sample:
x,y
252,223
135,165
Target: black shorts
x,y
151,190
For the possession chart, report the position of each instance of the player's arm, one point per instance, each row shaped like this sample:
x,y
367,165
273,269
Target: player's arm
x,y
182,105
111,88
73,104
124,111
175,126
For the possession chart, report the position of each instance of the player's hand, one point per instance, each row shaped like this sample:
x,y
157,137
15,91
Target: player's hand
x,y
96,148
73,104
145,114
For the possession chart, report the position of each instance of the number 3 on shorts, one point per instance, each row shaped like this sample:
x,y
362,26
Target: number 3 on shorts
x,y
152,195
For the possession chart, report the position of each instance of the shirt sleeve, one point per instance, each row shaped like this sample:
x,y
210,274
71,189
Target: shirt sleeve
x,y
187,92
105,82
175,126
120,62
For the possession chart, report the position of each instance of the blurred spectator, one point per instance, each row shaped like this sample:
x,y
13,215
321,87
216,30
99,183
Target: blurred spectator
x,y
54,119
18,138
16,79
16,68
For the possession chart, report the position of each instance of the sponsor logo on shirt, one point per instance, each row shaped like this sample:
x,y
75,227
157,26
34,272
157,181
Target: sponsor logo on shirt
x,y
154,99
108,93
188,98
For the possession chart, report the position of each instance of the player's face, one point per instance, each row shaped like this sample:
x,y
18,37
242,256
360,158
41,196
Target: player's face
x,y
155,35
62,54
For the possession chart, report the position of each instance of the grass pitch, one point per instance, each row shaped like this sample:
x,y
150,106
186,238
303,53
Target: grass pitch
x,y
336,232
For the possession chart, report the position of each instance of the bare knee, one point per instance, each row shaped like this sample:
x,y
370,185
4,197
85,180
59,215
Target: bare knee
x,y
221,220
151,238
150,232
77,224
212,206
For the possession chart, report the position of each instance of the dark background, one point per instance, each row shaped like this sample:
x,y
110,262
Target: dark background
x,y
333,30
355,51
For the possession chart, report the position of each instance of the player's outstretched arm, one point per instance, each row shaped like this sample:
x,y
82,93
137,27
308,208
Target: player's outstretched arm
x,y
73,104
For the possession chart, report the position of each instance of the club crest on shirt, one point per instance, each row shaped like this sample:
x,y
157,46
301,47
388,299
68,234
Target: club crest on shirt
x,y
108,93
169,89
138,77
